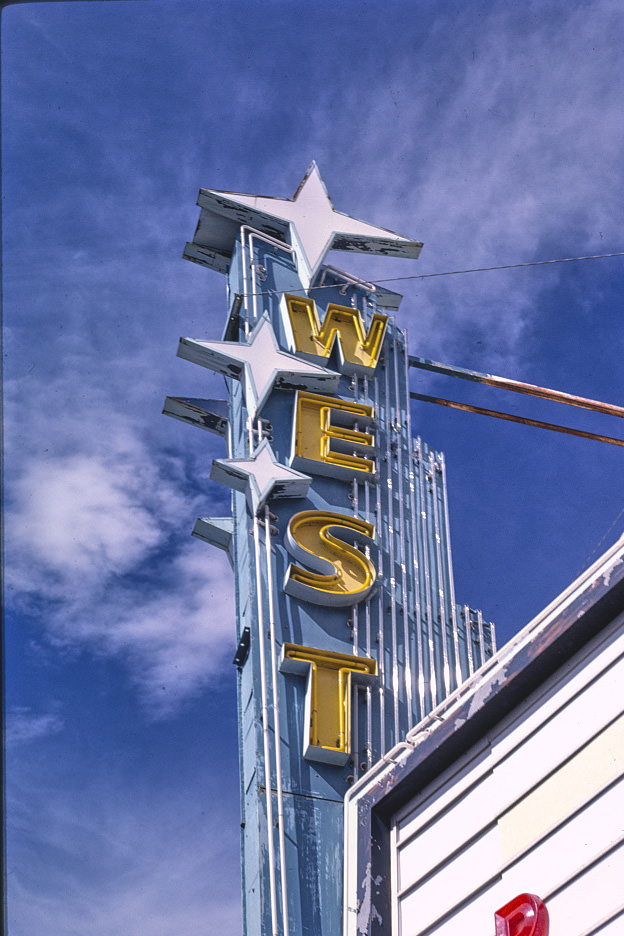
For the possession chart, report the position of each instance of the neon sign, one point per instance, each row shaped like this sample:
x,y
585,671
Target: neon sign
x,y
330,438
344,575
326,440
347,626
339,574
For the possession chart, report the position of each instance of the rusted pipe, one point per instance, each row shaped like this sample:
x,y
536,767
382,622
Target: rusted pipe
x,y
504,383
518,419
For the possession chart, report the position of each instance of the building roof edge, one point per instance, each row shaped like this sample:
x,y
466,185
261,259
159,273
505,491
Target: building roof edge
x,y
564,626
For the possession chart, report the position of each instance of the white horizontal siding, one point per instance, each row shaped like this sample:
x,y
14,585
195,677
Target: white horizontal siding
x,y
459,877
541,742
584,908
596,896
530,813
576,845
557,859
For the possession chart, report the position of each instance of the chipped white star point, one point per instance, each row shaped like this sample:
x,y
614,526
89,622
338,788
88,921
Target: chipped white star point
x,y
260,365
260,477
318,227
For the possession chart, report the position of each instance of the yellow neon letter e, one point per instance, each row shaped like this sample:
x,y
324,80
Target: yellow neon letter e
x,y
325,440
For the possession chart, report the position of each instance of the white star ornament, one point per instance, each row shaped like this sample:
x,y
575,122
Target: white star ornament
x,y
260,365
260,477
311,215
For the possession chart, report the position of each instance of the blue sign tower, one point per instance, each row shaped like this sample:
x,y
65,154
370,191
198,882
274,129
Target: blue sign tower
x,y
348,630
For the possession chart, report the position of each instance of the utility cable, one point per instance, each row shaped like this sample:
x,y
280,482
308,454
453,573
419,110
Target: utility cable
x,y
421,276
591,556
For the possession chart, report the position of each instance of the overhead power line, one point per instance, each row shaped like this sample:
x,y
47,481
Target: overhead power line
x,y
489,269
505,266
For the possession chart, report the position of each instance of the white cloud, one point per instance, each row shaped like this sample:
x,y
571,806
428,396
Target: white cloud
x,y
23,725
83,518
499,143
87,537
179,637
98,536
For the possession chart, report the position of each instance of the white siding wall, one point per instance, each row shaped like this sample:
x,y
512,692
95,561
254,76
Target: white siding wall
x,y
538,809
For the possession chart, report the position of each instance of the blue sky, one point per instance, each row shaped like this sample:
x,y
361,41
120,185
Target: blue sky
x,y
491,131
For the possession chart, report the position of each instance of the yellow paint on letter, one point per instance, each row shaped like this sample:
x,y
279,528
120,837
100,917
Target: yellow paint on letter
x,y
325,440
328,697
359,351
342,574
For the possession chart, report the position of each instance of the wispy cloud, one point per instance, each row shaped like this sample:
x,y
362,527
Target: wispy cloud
x,y
24,725
500,144
492,132
484,142
124,859
178,637
99,530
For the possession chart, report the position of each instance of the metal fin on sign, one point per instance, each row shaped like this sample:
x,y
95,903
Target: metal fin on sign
x,y
212,415
385,298
218,531
211,257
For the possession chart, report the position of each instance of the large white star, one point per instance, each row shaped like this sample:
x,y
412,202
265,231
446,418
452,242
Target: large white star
x,y
260,477
260,364
317,225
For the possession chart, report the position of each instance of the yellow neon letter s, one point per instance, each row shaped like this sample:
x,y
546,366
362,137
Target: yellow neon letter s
x,y
328,697
342,575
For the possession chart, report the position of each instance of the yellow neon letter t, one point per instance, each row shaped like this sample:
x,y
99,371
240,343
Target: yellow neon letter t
x,y
328,698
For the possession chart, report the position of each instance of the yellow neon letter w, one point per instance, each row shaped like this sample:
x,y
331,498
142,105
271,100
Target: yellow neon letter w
x,y
359,352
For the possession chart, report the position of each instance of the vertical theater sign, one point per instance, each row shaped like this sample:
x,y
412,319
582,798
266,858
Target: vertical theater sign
x,y
347,627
